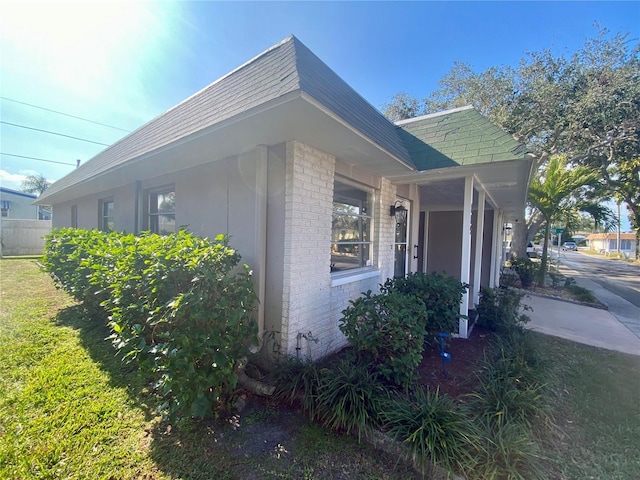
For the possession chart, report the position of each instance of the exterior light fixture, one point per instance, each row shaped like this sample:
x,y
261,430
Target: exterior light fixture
x,y
397,207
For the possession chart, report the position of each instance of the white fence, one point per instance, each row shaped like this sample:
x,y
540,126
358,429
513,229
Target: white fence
x,y
23,237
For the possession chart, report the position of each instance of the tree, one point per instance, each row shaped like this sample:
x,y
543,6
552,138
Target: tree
x,y
557,194
35,184
585,106
402,106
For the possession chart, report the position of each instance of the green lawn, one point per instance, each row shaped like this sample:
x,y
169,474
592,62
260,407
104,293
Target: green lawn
x,y
70,409
597,410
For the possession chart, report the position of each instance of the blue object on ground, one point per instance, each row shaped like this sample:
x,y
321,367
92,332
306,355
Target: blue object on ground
x,y
446,357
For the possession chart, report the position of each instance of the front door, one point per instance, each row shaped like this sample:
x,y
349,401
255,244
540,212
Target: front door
x,y
401,249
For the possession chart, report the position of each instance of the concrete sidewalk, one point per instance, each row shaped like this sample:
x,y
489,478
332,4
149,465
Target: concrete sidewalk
x,y
582,324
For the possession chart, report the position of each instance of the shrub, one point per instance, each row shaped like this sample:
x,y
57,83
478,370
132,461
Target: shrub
x,y
68,257
387,330
179,306
526,270
440,294
349,397
500,309
436,429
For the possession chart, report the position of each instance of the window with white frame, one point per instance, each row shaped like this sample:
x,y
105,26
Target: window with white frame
x,y
161,214
351,239
106,215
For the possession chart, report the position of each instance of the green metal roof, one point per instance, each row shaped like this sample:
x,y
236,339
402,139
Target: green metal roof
x,y
457,137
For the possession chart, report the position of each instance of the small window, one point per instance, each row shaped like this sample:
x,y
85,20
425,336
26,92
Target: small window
x,y
6,206
351,228
106,215
162,211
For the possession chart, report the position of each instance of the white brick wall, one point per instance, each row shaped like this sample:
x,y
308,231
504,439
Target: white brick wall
x,y
307,240
310,303
385,234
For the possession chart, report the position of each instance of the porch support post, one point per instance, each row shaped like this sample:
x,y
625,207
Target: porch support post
x,y
496,249
465,266
477,266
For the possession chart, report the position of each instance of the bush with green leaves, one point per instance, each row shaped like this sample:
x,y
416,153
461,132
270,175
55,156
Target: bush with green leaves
x,y
69,257
441,295
387,330
501,309
179,306
526,269
437,430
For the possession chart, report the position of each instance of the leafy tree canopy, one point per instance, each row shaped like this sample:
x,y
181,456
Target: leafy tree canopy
x,y
585,106
35,184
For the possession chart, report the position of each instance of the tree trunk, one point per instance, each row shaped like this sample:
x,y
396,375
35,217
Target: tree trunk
x,y
545,252
519,240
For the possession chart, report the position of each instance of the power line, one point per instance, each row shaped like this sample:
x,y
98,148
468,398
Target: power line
x,y
36,158
62,113
53,133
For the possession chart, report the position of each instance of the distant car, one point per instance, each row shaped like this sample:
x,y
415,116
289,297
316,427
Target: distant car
x,y
570,246
532,250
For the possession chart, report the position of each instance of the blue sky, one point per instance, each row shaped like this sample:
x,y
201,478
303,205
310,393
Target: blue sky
x,y
123,63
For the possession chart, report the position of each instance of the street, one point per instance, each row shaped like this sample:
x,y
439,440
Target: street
x,y
615,283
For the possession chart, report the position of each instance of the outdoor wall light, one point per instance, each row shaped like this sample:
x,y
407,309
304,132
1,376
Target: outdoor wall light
x,y
397,207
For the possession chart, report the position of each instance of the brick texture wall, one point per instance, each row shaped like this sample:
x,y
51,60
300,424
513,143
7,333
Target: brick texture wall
x,y
311,306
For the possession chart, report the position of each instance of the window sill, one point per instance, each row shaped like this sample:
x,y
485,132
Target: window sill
x,y
355,275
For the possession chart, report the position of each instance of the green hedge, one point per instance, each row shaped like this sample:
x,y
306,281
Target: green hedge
x,y
441,295
387,331
178,305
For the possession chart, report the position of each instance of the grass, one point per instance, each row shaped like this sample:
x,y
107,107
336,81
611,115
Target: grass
x,y
597,409
70,409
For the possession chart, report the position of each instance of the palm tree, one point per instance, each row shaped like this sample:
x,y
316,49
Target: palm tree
x,y
555,194
35,184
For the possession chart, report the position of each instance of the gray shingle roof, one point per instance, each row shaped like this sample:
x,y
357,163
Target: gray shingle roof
x,y
284,68
461,136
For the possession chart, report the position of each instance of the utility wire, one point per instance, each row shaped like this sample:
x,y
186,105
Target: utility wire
x,y
62,113
36,158
53,133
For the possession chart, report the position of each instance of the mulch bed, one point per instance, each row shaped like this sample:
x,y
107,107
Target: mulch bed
x,y
460,377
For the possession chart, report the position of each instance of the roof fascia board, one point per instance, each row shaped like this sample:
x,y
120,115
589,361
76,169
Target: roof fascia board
x,y
448,173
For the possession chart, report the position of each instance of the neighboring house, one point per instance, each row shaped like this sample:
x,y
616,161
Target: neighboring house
x,y
608,243
22,224
16,204
308,179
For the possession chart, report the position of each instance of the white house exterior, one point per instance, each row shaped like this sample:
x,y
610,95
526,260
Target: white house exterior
x,y
607,243
302,173
17,204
